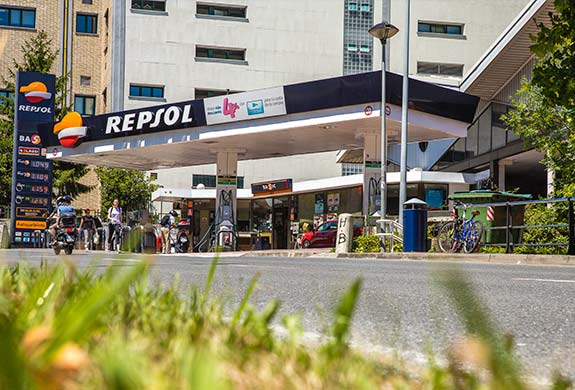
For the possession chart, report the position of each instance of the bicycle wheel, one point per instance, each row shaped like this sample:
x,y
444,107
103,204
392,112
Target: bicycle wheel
x,y
473,237
446,237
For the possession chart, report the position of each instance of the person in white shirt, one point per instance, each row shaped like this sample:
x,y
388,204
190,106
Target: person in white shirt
x,y
114,221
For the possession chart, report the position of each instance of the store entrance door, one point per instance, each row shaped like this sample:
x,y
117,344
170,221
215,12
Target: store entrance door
x,y
280,223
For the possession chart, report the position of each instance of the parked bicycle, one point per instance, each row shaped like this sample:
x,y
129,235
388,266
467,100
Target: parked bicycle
x,y
461,233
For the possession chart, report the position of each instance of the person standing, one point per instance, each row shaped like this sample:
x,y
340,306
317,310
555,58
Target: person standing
x,y
166,224
114,222
87,228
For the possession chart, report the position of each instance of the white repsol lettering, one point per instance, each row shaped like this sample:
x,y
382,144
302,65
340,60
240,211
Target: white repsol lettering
x,y
113,124
128,123
148,119
172,116
187,118
158,117
144,118
42,110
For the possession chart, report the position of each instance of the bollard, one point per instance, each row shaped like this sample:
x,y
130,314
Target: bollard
x,y
571,249
344,234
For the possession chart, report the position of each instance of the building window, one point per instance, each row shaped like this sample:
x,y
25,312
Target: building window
x,y
357,43
17,17
85,105
348,169
440,69
221,10
149,5
208,93
87,2
222,54
87,24
440,28
5,94
154,176
105,96
146,91
85,80
210,181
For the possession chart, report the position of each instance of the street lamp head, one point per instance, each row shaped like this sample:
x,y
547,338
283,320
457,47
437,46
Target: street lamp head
x,y
383,31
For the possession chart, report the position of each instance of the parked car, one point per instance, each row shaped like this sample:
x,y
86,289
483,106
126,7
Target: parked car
x,y
325,235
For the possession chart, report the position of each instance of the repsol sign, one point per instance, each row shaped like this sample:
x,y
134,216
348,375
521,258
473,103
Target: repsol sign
x,y
161,118
37,109
141,121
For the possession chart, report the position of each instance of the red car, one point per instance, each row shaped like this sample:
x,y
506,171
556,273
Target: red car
x,y
325,235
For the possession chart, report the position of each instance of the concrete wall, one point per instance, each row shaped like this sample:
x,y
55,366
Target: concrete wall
x,y
483,20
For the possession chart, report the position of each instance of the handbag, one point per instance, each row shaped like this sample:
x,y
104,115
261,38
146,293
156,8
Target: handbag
x,y
96,238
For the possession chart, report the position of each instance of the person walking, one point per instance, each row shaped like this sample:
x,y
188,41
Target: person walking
x,y
114,222
87,229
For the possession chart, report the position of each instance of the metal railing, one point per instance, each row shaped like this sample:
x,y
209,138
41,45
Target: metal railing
x,y
392,231
509,227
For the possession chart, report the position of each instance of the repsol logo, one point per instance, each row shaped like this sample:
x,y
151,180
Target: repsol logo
x,y
42,110
163,117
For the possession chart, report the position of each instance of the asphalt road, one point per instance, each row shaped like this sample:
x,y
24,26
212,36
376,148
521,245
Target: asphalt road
x,y
401,306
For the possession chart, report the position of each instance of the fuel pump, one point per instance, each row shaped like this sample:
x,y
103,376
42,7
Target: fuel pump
x,y
225,228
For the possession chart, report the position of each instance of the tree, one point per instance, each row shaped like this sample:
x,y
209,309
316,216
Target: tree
x,y
544,108
132,188
554,44
547,128
38,56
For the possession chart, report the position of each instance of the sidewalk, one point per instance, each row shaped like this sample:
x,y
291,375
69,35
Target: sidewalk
x,y
474,257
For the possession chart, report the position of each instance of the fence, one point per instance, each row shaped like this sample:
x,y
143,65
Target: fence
x,y
510,228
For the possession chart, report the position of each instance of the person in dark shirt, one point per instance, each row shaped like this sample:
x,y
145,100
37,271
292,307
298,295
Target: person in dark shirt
x,y
87,228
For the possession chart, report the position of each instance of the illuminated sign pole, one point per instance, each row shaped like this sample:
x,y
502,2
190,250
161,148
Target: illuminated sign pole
x,y
31,171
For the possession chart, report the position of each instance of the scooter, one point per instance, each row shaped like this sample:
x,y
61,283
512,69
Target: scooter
x,y
66,235
182,244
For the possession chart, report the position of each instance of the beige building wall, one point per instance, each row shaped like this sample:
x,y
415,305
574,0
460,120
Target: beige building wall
x,y
48,17
89,73
79,55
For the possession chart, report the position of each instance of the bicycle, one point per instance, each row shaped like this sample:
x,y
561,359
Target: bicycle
x,y
461,233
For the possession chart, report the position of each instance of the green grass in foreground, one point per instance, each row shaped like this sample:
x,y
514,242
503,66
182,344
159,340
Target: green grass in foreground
x,y
65,329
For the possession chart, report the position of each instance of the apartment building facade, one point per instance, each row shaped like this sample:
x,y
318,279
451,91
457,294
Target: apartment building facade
x,y
80,32
176,50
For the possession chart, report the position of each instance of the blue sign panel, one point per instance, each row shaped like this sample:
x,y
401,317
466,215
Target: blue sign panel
x,y
31,171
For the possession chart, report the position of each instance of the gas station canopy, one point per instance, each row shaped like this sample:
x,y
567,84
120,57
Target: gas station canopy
x,y
309,117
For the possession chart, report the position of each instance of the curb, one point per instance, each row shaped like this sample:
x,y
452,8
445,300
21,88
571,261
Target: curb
x,y
495,258
468,258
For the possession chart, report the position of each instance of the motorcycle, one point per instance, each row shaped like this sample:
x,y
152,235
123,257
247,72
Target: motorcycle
x,y
66,235
182,244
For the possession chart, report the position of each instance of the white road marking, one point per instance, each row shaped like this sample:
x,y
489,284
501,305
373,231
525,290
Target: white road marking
x,y
545,280
120,259
254,266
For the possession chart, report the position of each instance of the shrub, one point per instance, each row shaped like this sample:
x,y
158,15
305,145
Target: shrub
x,y
366,244
541,214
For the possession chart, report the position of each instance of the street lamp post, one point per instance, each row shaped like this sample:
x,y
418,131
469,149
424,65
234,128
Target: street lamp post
x,y
383,31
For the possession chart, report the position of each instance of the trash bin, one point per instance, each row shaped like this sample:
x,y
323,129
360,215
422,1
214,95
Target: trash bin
x,y
149,239
415,226
495,216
